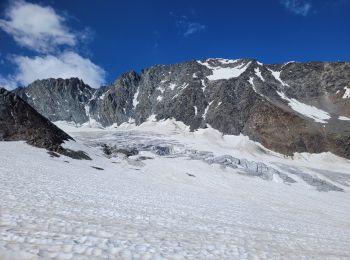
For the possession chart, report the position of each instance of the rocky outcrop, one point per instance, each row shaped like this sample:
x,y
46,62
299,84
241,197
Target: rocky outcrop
x,y
20,122
59,99
291,107
116,104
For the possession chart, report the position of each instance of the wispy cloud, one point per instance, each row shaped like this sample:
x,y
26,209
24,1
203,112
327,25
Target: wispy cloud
x,y
43,30
298,7
187,27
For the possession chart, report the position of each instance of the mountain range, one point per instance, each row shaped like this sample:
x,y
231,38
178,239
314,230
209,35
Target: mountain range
x,y
288,108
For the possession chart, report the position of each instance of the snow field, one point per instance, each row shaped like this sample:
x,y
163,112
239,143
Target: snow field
x,y
164,207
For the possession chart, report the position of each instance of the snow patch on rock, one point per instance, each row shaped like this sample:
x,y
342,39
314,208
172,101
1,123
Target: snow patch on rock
x,y
251,82
220,73
347,92
318,115
344,118
204,85
135,102
172,86
206,109
277,76
258,73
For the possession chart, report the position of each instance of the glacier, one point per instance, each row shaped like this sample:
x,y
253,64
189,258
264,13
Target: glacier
x,y
206,195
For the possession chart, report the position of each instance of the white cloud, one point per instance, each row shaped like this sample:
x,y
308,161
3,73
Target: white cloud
x,y
299,7
36,27
41,29
65,65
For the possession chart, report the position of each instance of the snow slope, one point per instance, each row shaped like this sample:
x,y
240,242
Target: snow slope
x,y
150,206
318,115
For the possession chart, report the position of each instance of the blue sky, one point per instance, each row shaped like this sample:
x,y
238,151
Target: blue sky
x,y
99,40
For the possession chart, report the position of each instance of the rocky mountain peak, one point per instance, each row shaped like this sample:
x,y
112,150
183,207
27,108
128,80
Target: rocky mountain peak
x,y
61,99
128,78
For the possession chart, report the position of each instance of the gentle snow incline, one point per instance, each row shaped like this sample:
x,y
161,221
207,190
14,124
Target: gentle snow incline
x,y
154,209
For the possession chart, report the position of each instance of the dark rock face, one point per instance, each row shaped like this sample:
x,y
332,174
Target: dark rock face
x,y
59,99
292,107
20,122
115,105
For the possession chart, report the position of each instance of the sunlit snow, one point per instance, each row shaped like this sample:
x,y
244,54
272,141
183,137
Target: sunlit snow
x,y
220,73
344,118
277,76
204,85
207,109
347,92
172,86
315,113
258,73
135,102
175,206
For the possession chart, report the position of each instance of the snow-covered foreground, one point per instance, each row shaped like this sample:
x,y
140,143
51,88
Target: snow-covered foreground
x,y
173,206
